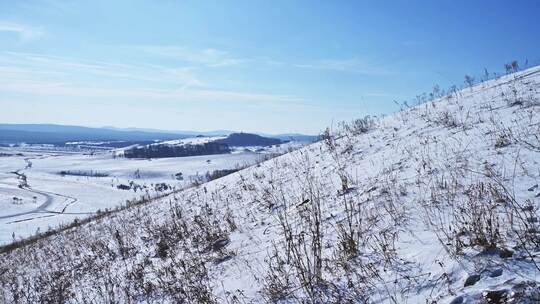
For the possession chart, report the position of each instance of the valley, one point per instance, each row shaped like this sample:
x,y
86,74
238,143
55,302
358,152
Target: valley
x,y
44,186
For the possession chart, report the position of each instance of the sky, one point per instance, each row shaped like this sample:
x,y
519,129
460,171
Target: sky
x,y
277,66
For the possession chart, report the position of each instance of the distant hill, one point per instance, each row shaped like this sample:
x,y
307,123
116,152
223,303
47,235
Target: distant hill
x,y
247,139
283,137
60,134
199,146
183,132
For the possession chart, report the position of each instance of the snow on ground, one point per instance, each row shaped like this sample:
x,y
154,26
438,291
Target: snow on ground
x,y
80,196
200,140
193,140
434,204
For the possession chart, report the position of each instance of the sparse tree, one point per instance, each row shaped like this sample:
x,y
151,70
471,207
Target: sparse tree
x,y
437,91
515,66
469,80
511,67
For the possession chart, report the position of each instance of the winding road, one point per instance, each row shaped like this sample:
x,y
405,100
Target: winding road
x,y
41,208
49,199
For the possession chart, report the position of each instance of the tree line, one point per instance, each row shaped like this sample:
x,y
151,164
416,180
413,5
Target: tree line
x,y
161,151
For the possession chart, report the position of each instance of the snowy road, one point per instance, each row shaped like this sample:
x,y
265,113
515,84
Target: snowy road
x,y
49,197
43,207
52,198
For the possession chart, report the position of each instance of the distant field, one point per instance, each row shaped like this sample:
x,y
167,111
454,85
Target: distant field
x,y
64,185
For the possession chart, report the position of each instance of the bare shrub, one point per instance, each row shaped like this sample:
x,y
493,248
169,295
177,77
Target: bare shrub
x,y
300,252
478,219
360,126
328,139
487,215
469,81
511,67
502,140
278,281
447,119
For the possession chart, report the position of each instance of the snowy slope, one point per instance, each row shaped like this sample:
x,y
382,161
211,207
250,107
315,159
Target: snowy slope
x,y
192,141
434,204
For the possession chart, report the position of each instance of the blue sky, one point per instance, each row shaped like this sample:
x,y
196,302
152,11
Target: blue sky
x,y
267,66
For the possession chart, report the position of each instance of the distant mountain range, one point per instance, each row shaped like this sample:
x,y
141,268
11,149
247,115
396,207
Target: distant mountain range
x,y
284,136
182,132
61,134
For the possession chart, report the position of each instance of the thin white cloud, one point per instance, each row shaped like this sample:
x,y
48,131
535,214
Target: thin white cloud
x,y
37,63
191,95
24,32
42,75
207,57
353,65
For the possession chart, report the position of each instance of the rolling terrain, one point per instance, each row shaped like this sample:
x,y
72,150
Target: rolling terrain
x,y
41,187
437,203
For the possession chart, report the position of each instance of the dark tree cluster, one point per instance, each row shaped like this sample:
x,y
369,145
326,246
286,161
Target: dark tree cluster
x,y
90,173
247,139
219,173
161,151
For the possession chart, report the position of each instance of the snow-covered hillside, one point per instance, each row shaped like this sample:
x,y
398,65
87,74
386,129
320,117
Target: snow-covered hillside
x,y
192,140
175,142
201,145
434,204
